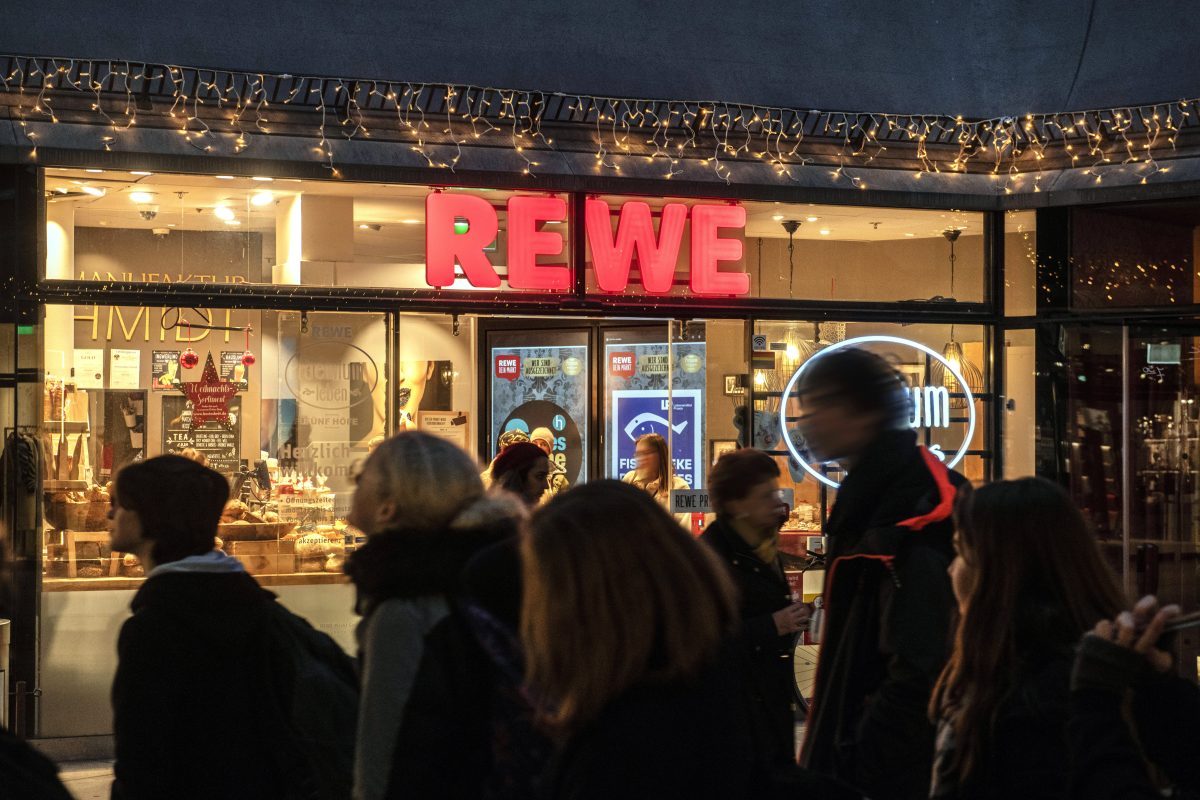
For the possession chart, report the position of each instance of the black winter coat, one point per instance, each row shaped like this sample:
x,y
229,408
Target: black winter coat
x,y
1027,756
689,739
888,616
190,715
766,657
468,729
1108,760
27,774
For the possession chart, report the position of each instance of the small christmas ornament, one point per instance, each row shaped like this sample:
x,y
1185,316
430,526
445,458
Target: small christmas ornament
x,y
188,359
247,356
210,396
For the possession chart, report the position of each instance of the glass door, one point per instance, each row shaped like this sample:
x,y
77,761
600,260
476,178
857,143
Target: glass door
x,y
1163,454
542,378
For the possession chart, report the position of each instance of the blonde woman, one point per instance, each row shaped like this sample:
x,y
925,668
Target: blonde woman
x,y
421,503
653,474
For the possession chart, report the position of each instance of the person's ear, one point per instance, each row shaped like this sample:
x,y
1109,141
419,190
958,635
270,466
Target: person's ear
x,y
385,512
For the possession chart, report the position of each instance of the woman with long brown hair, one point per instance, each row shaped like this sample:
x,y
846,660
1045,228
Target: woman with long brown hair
x,y
1030,581
653,473
623,621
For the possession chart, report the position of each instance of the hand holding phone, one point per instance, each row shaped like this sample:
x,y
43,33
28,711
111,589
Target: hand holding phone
x,y
1140,630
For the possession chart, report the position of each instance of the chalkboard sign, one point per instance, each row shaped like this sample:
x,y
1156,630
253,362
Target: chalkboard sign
x,y
220,445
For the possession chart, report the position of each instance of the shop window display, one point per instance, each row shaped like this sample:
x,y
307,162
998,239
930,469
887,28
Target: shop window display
x,y
281,403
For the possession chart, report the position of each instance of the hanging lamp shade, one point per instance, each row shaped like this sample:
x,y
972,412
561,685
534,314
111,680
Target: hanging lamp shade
x,y
953,353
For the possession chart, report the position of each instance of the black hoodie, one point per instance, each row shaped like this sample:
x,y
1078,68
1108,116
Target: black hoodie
x,y
888,611
190,715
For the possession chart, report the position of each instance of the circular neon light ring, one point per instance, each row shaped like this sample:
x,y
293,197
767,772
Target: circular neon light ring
x,y
787,392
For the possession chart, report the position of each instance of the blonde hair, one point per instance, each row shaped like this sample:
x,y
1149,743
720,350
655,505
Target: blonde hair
x,y
432,483
616,595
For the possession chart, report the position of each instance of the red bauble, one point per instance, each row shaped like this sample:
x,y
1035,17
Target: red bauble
x,y
188,359
248,358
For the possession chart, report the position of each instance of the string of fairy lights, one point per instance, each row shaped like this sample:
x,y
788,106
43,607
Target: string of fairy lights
x,y
224,112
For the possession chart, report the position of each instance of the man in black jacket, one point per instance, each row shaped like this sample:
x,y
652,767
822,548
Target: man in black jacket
x,y
196,696
888,601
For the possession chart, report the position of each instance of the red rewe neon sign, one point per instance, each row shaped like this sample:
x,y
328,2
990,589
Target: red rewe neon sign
x,y
657,256
445,246
612,253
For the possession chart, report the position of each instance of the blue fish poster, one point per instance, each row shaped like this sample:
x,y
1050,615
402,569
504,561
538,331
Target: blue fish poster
x,y
636,412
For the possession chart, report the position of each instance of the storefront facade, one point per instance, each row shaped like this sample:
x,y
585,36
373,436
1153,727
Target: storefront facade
x,y
326,311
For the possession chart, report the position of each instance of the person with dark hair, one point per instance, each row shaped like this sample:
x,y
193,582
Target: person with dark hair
x,y
888,602
193,715
744,486
506,440
1029,581
522,469
1129,712
623,623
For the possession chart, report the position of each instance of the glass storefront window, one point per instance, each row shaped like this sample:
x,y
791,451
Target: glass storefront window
x,y
106,225
308,397
1135,255
1019,433
1020,263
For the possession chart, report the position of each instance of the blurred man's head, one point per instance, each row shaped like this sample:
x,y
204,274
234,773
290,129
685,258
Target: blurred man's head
x,y
847,398
166,509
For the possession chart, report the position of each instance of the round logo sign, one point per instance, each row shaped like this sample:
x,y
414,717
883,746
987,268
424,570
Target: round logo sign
x,y
930,406
567,449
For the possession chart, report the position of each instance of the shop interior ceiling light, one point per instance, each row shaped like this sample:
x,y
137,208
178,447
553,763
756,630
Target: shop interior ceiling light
x,y
952,352
222,112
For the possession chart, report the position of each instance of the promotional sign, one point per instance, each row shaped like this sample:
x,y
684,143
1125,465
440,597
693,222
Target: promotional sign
x,y
621,365
677,418
544,387
164,370
639,376
220,444
461,228
930,404
684,501
209,396
233,370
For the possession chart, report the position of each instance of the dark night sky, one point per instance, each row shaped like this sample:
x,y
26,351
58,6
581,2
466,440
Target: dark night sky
x,y
911,56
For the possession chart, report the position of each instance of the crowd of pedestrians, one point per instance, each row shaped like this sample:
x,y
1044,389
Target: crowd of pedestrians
x,y
522,639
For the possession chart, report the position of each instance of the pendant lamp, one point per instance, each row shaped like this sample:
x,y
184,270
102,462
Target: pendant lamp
x,y
952,351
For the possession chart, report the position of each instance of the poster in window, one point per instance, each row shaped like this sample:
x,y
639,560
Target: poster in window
x,y
220,444
164,370
639,378
677,418
125,369
233,370
89,368
450,425
544,387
